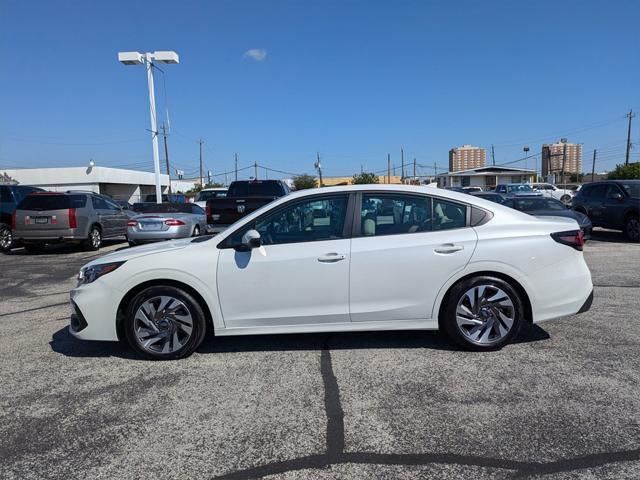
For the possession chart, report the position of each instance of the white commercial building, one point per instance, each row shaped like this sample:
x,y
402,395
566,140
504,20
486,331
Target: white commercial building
x,y
129,185
486,177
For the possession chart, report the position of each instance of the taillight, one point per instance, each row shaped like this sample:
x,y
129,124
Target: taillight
x,y
572,238
72,218
132,223
13,220
208,212
173,222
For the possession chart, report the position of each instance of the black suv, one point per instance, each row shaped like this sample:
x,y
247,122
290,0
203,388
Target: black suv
x,y
10,196
612,204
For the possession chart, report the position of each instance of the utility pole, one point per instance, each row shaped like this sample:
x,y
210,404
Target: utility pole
x,y
201,178
593,165
166,155
361,169
319,167
236,159
630,115
388,168
493,155
402,160
564,161
255,170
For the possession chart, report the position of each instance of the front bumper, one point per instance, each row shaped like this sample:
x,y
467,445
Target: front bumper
x,y
94,313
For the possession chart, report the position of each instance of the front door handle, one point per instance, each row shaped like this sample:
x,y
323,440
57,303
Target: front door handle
x,y
448,248
331,257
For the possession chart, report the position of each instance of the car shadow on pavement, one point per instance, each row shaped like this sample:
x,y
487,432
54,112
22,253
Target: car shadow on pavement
x,y
64,343
62,249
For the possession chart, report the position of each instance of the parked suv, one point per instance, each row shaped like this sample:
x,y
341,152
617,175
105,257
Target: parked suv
x,y
612,204
10,196
72,217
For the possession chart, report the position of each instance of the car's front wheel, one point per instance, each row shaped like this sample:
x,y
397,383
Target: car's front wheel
x,y
632,228
482,313
165,323
566,199
6,238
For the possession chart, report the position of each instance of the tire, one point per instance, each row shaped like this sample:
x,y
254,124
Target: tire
x,y
632,228
6,238
34,248
94,239
196,231
566,199
171,337
480,327
132,243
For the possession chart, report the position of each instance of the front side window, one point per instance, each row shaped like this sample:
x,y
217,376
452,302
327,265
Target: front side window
x,y
395,214
304,221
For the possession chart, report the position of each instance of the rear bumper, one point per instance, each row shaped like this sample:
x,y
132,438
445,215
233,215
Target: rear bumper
x,y
182,231
49,235
586,306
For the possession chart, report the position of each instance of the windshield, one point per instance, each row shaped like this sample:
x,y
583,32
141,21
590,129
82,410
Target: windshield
x,y
162,207
206,195
633,189
519,188
533,204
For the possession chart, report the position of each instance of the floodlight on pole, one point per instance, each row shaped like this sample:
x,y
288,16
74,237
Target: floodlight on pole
x,y
137,58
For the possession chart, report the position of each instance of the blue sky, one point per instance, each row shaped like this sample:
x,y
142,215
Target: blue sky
x,y
354,80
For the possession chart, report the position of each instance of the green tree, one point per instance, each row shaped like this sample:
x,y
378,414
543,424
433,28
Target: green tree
x,y
625,172
576,177
304,181
365,178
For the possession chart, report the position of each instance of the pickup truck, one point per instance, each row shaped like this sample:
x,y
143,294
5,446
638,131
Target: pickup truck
x,y
243,197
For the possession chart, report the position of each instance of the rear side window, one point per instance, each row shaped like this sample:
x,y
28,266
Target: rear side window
x,y
197,210
5,195
46,201
448,215
78,201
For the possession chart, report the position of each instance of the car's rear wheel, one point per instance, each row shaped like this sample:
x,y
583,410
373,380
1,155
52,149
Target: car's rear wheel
x,y
483,313
94,239
165,323
6,238
632,228
196,231
34,247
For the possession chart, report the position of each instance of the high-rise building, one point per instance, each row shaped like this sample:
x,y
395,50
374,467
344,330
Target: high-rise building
x,y
555,159
466,157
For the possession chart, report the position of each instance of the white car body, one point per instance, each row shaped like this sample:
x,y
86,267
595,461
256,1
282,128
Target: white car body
x,y
549,190
386,282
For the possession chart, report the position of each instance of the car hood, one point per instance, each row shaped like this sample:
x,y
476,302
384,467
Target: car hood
x,y
141,251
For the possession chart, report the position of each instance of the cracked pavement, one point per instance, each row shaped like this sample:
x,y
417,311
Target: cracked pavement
x,y
561,403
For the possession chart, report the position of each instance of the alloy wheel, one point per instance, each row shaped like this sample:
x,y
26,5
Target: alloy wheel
x,y
163,324
633,229
6,238
485,314
96,238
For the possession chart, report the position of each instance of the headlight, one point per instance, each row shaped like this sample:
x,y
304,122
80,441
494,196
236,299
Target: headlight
x,y
92,273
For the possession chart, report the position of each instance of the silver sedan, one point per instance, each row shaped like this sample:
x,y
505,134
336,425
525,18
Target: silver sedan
x,y
156,222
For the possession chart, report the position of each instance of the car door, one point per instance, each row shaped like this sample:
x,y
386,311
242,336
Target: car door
x,y
595,203
118,218
300,274
614,207
104,215
403,251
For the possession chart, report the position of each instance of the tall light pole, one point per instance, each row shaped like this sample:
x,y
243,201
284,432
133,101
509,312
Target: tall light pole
x,y
137,58
526,153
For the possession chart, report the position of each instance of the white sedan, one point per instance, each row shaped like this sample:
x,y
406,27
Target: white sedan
x,y
369,257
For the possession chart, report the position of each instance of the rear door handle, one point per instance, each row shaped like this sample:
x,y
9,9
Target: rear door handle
x,y
448,248
331,257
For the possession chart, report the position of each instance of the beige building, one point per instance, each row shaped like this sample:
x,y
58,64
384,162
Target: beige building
x,y
553,157
466,157
334,181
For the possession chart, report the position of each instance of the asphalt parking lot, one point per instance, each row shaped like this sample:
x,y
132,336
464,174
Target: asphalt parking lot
x,y
563,402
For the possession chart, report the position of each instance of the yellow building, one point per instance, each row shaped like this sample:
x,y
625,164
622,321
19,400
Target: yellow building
x,y
334,181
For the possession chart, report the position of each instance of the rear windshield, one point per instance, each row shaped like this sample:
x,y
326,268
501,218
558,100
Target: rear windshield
x,y
162,207
47,201
255,189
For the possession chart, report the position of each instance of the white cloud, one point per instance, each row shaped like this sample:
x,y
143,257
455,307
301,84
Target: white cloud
x,y
257,54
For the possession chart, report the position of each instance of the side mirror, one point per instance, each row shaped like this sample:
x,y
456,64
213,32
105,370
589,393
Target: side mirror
x,y
616,196
250,240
